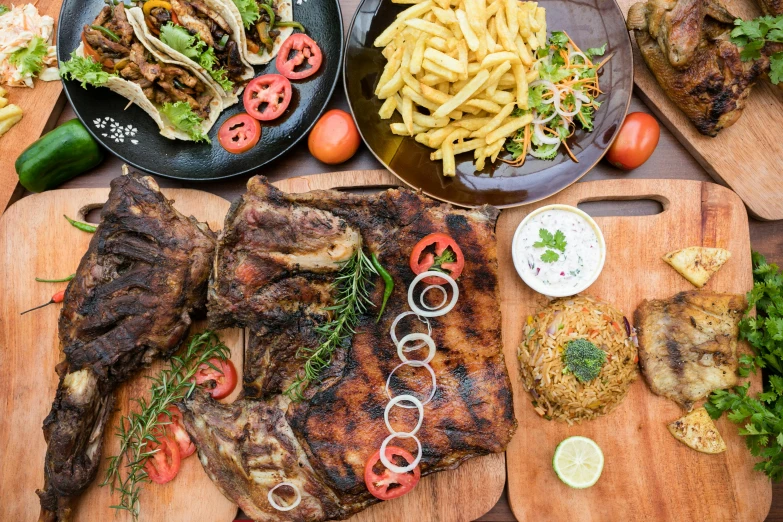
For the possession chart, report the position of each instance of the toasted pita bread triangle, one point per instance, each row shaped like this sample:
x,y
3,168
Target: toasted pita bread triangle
x,y
697,431
697,264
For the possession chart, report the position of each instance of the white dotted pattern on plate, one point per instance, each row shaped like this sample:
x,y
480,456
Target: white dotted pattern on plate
x,y
115,130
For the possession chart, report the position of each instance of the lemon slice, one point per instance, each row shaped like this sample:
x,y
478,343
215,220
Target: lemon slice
x,y
578,461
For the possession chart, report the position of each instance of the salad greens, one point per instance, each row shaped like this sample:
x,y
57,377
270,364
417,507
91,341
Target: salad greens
x,y
183,118
753,35
84,70
248,11
29,60
179,39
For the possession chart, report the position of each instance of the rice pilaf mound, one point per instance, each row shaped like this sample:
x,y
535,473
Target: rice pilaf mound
x,y
557,393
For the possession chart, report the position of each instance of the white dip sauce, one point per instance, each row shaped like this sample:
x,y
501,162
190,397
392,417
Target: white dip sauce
x,y
576,263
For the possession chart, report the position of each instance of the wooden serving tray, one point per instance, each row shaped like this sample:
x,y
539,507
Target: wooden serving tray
x,y
746,156
648,475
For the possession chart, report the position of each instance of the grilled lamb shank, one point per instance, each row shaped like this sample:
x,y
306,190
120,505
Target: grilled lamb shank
x,y
145,271
276,258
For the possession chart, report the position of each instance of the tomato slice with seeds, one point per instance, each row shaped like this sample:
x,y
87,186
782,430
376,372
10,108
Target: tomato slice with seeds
x,y
267,96
438,251
225,377
239,133
297,50
163,465
386,484
176,431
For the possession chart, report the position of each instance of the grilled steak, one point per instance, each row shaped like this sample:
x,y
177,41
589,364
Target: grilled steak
x,y
688,344
145,271
276,259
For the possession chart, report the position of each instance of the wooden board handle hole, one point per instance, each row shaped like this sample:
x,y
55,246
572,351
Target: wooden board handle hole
x,y
642,206
91,213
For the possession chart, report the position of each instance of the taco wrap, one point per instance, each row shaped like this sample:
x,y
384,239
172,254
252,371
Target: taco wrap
x,y
263,32
204,34
183,102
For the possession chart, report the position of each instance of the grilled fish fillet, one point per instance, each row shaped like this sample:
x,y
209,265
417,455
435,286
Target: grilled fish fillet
x,y
688,344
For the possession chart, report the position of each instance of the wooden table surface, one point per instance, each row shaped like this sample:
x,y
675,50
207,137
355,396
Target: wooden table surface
x,y
670,160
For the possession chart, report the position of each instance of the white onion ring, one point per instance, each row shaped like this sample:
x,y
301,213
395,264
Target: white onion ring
x,y
579,95
549,85
441,304
577,53
563,112
433,313
549,118
277,506
392,467
417,337
394,326
415,364
416,403
538,132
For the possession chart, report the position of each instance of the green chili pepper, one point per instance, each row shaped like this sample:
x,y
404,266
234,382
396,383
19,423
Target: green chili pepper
x,y
108,32
224,40
387,280
63,280
270,12
81,226
295,25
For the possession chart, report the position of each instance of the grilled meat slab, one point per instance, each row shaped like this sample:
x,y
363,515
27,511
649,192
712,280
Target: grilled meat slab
x,y
341,424
688,344
145,271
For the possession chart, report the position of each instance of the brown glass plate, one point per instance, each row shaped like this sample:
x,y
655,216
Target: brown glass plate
x,y
590,23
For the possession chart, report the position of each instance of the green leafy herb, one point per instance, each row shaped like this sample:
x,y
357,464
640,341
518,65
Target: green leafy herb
x,y
183,118
29,60
592,52
752,35
126,471
4,9
193,47
550,256
559,40
514,147
583,359
760,416
446,257
353,299
248,11
554,241
84,70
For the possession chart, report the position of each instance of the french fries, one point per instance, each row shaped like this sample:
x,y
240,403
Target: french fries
x,y
9,114
456,73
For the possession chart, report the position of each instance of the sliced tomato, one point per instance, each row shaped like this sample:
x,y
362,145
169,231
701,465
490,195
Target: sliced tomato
x,y
175,430
91,53
295,51
386,484
239,133
432,246
225,377
267,96
163,465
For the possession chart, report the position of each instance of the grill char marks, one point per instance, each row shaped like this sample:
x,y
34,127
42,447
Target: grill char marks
x,y
146,269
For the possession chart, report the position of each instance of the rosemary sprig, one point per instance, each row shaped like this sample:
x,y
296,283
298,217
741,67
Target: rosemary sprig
x,y
353,299
126,471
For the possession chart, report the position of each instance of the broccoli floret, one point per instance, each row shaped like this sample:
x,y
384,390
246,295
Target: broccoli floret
x,y
583,359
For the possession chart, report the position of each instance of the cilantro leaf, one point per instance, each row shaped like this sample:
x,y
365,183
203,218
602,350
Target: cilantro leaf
x,y
554,241
752,35
29,60
546,238
776,68
84,70
248,11
558,39
183,118
595,51
550,256
447,256
560,241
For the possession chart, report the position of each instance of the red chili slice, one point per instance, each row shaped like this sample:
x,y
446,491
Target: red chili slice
x,y
422,262
267,96
239,133
386,484
304,50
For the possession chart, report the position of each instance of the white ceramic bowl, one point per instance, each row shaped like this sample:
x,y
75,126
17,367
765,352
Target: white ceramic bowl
x,y
536,284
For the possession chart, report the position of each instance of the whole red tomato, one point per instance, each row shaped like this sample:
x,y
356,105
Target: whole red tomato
x,y
334,139
635,142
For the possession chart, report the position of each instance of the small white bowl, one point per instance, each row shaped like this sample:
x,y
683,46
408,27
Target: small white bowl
x,y
536,284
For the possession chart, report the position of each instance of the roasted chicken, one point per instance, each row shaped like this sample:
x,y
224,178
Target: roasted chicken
x,y
688,344
145,271
687,46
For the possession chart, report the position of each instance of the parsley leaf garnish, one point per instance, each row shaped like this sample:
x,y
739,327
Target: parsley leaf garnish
x,y
550,256
446,257
551,241
752,36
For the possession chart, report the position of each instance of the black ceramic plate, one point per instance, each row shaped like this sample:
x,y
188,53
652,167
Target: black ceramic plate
x,y
590,23
133,136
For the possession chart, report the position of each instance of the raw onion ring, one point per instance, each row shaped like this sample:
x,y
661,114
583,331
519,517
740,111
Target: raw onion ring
x,y
277,506
538,132
581,55
562,112
549,118
433,313
416,403
441,304
415,364
549,85
417,337
397,320
392,467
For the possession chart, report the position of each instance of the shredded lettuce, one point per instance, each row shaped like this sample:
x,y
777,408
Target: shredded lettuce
x,y
249,11
179,39
84,70
29,60
183,118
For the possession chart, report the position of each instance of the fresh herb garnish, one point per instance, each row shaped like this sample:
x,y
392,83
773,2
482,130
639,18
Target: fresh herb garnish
x,y
126,469
29,60
84,70
446,257
592,52
248,11
353,299
193,47
4,9
551,242
583,359
761,416
753,35
183,118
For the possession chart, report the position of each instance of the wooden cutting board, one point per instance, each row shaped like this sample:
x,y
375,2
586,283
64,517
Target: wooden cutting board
x,y
747,155
648,475
41,106
36,241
